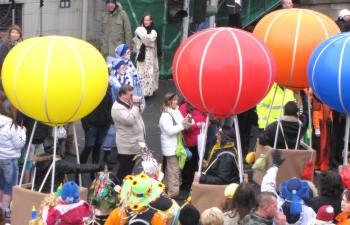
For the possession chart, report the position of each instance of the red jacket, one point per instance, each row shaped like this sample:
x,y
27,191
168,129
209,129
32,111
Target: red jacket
x,y
190,135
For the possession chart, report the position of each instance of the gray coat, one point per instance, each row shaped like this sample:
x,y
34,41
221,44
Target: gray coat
x,y
130,128
116,30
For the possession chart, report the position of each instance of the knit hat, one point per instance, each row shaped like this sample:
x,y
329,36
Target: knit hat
x,y
117,63
139,191
325,213
111,1
70,192
230,190
121,50
295,191
343,13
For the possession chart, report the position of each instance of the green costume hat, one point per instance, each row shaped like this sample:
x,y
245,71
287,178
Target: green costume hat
x,y
140,190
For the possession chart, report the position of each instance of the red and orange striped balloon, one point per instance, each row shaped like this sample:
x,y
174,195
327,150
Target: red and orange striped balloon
x,y
292,35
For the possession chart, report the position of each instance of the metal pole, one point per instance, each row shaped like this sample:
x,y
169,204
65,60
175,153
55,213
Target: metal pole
x,y
41,18
77,151
84,20
212,18
310,118
54,159
346,146
270,107
13,8
278,121
239,149
185,20
27,153
202,150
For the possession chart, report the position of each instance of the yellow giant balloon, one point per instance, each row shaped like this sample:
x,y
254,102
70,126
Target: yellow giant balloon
x,y
55,79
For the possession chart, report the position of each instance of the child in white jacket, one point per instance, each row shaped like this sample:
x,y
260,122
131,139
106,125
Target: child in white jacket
x,y
12,140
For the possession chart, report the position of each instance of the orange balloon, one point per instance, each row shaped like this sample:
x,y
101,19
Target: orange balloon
x,y
292,35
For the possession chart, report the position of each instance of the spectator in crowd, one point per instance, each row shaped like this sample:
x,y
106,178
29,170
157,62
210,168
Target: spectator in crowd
x,y
291,127
343,20
222,162
344,217
116,28
95,127
266,212
122,51
240,204
147,47
190,138
212,216
42,131
171,124
126,114
12,140
287,4
293,194
14,35
331,189
63,167
325,216
189,215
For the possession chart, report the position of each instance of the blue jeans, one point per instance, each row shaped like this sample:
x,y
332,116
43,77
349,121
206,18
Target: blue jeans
x,y
8,175
94,137
110,141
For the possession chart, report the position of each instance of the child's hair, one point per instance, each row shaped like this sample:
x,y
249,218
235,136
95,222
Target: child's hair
x,y
212,216
189,215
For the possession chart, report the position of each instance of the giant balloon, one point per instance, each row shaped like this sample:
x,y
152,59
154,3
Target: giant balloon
x,y
292,35
329,72
223,71
55,79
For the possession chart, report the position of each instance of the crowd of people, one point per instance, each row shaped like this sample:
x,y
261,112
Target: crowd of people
x,y
161,193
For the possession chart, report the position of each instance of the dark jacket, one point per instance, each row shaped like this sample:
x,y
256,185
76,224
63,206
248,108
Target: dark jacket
x,y
290,125
4,50
317,202
343,25
101,116
42,131
63,168
253,219
223,168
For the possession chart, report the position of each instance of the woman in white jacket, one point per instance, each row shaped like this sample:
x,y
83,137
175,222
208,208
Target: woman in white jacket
x,y
171,123
12,140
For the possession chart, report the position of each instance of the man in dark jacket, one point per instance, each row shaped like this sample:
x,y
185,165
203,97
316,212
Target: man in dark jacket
x,y
266,212
343,20
95,127
62,169
291,127
222,167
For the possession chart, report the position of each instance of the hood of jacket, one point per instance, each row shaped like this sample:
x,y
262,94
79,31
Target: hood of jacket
x,y
4,120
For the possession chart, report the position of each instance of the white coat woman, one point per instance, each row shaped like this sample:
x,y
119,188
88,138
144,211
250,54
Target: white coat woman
x,y
171,123
146,44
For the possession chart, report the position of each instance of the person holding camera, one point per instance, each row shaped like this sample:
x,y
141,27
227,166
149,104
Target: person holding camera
x,y
171,124
126,114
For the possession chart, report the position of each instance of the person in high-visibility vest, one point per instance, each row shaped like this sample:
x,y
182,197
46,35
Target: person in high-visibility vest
x,y
276,105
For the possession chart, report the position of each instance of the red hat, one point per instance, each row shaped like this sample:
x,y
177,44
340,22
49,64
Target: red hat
x,y
325,213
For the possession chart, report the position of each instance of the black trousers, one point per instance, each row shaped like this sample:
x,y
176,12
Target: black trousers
x,y
126,164
191,166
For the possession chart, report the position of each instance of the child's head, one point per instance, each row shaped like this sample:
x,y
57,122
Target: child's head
x,y
212,216
189,215
119,66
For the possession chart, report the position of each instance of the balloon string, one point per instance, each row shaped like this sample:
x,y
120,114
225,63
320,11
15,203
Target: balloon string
x,y
346,146
239,146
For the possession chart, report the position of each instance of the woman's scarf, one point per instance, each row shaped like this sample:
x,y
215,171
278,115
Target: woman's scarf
x,y
142,53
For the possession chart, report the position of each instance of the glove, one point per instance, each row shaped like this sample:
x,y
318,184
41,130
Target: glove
x,y
317,132
277,159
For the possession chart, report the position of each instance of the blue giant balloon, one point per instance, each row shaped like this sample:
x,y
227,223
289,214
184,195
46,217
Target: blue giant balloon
x,y
329,72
